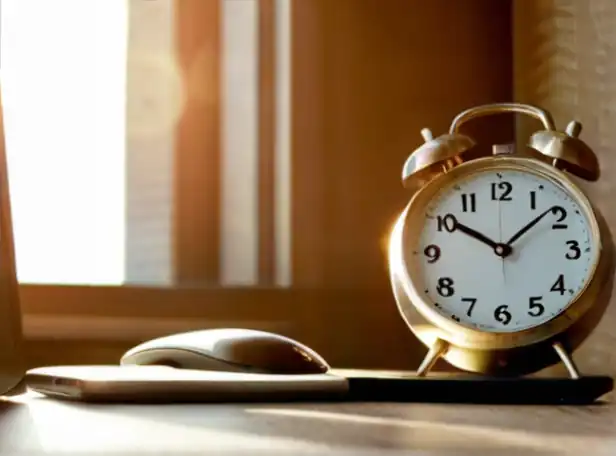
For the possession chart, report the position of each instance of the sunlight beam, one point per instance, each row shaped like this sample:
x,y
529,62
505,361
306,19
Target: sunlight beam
x,y
64,91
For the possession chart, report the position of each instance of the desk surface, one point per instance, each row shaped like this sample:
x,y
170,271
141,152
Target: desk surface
x,y
35,425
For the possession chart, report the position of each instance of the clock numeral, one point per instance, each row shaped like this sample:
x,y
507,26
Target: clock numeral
x,y
533,200
505,189
562,215
447,222
535,307
471,302
574,250
559,285
433,252
469,202
502,315
444,287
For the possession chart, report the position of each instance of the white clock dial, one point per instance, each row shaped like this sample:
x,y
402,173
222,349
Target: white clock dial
x,y
504,251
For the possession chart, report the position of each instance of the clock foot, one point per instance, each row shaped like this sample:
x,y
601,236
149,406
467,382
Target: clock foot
x,y
435,352
567,360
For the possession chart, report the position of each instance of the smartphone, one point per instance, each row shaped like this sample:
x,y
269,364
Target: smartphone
x,y
167,384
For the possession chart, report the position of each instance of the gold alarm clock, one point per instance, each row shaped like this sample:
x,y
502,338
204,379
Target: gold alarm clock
x,y
500,264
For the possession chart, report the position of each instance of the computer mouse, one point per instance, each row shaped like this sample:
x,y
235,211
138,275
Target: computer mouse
x,y
229,349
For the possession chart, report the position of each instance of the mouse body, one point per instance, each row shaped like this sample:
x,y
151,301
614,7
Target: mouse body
x,y
230,350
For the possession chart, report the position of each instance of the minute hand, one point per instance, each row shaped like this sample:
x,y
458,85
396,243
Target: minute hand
x,y
530,224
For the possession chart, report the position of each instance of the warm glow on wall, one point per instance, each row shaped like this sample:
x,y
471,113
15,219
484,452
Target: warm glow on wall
x,y
63,66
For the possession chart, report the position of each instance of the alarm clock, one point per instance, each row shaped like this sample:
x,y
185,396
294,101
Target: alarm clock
x,y
500,264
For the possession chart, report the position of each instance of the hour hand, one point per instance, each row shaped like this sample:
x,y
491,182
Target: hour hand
x,y
499,249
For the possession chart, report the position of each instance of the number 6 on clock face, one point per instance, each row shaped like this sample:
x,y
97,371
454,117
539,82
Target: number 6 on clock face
x,y
504,250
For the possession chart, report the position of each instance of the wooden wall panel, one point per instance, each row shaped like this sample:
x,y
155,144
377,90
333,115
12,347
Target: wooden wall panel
x,y
565,61
368,75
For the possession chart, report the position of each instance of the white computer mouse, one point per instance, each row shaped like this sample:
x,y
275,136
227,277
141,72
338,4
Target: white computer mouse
x,y
229,349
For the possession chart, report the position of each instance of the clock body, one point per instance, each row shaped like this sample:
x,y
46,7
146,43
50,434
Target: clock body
x,y
500,257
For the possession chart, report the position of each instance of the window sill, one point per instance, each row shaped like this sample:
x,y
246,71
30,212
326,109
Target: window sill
x,y
349,327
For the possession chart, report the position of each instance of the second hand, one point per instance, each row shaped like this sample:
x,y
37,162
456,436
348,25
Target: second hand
x,y
500,239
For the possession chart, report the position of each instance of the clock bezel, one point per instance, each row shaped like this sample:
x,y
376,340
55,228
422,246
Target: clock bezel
x,y
406,269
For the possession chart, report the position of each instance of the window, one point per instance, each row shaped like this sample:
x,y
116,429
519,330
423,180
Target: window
x,y
63,84
180,164
162,176
152,140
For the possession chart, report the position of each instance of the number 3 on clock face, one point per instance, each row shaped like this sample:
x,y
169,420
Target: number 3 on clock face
x,y
505,250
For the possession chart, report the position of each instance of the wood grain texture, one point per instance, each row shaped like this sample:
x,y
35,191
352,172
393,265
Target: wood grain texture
x,y
34,425
565,61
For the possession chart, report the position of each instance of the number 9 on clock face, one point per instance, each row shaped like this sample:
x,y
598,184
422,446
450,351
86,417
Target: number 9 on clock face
x,y
504,250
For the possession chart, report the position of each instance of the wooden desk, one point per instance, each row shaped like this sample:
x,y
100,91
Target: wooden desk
x,y
32,425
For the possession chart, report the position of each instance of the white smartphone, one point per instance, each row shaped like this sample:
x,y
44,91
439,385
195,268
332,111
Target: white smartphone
x,y
12,358
168,384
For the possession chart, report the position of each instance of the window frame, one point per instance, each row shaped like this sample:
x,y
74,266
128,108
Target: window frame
x,y
349,327
196,155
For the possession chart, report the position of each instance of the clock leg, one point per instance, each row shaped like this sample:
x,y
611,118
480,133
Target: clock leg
x,y
567,360
435,352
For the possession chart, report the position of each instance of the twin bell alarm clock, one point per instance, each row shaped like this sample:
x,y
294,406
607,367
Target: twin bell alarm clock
x,y
501,265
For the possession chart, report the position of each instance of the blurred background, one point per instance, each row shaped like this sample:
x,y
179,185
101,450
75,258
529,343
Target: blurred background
x,y
229,142
194,163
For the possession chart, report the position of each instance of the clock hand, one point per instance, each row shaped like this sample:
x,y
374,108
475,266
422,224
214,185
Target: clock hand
x,y
475,234
500,239
500,249
530,224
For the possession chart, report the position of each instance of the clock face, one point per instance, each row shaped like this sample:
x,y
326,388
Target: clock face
x,y
504,251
